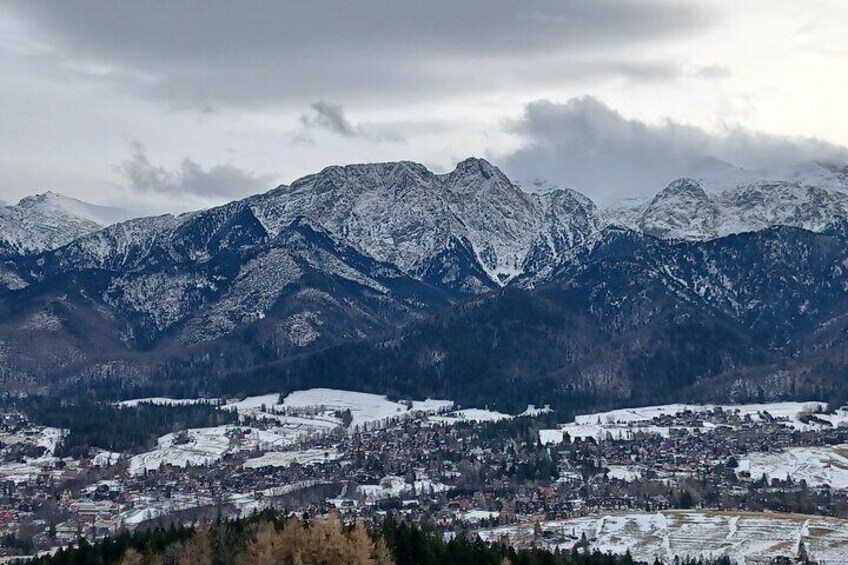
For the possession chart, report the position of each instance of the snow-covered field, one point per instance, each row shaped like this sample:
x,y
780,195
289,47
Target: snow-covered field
x,y
748,538
364,408
324,405
788,410
304,457
816,465
206,446
479,415
475,415
106,458
392,487
300,415
48,438
625,423
148,508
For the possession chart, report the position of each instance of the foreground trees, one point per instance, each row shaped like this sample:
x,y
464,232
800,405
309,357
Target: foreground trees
x,y
269,539
319,542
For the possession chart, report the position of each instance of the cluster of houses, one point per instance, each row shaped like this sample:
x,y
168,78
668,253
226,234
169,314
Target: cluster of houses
x,y
458,476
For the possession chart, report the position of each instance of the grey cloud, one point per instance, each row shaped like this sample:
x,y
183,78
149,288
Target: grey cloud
x,y
713,71
278,53
190,179
587,145
332,118
638,71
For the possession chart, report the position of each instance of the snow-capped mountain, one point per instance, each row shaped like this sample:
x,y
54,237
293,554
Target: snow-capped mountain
x,y
338,271
176,285
49,220
686,210
635,318
398,213
467,231
424,223
681,211
406,215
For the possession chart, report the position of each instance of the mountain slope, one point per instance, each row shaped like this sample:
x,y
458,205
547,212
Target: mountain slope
x,y
403,214
168,300
47,221
390,277
681,211
631,318
685,210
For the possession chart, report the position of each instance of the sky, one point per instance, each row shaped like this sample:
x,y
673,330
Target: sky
x,y
166,106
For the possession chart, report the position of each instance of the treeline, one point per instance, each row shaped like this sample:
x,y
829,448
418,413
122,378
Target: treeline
x,y
125,429
268,538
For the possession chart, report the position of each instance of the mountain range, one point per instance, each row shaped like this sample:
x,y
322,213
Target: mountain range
x,y
390,277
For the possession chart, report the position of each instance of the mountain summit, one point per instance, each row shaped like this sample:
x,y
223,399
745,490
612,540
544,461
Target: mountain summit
x,y
49,220
406,215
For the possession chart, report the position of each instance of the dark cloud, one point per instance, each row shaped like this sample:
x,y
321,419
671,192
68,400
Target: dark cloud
x,y
190,179
586,145
194,53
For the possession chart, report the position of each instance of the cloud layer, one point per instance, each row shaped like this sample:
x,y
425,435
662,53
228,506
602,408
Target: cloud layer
x,y
587,145
287,88
270,53
221,182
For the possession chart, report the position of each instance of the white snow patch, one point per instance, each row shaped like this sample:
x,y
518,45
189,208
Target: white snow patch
x,y
305,457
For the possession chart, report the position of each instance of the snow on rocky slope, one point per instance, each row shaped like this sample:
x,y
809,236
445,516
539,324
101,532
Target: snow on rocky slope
x,y
681,211
687,209
399,213
47,221
406,215
403,214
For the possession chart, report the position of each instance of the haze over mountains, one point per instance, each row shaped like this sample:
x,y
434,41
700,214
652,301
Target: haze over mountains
x,y
390,277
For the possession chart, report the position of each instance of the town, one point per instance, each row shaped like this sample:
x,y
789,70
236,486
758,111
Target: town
x,y
520,479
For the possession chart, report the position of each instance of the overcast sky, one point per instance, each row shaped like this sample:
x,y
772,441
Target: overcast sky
x,y
173,105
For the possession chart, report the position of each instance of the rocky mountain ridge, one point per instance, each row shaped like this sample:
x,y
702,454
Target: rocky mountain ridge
x,y
685,210
404,280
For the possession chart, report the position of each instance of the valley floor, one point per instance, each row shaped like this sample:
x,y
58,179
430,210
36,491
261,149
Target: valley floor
x,y
748,482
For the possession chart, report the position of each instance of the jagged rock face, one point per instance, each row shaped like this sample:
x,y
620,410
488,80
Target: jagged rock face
x,y
684,210
209,273
47,221
626,212
681,211
392,211
403,214
194,284
763,204
570,221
